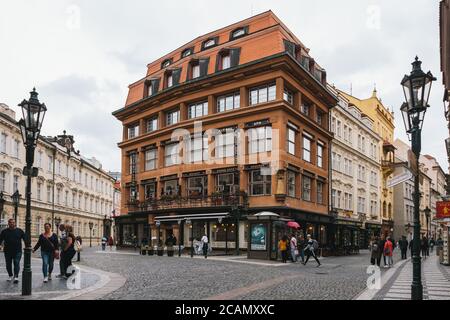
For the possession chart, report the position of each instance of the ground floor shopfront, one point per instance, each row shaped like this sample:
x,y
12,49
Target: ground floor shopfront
x,y
227,230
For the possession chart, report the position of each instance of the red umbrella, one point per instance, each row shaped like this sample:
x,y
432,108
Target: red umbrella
x,y
293,224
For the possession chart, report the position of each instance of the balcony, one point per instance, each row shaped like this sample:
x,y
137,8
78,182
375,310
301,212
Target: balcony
x,y
166,202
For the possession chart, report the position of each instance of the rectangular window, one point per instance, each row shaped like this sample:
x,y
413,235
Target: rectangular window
x,y
198,148
260,139
152,124
15,183
225,143
228,102
262,94
171,154
150,190
291,141
150,159
3,139
133,131
226,61
195,71
291,184
173,117
197,186
169,80
333,198
306,188
320,154
305,109
319,118
350,136
49,194
260,184
133,159
198,110
288,96
333,125
2,181
307,147
171,187
339,129
15,150
319,192
227,182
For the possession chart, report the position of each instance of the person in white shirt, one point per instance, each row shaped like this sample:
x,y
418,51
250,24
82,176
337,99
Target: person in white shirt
x,y
293,246
204,241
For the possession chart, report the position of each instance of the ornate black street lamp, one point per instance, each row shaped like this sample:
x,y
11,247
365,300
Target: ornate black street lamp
x,y
16,201
91,225
416,87
30,126
428,216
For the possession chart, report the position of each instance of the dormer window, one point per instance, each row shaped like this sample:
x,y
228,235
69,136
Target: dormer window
x,y
227,58
169,80
166,63
195,70
187,52
152,87
210,43
237,33
172,77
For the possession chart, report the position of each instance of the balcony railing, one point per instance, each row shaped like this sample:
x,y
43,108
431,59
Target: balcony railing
x,y
179,202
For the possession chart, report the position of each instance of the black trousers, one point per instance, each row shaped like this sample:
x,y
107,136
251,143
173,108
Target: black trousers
x,y
310,253
284,255
78,256
375,260
67,260
404,251
205,249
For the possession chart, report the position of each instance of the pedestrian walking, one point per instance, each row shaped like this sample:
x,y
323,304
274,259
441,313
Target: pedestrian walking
x,y
110,243
104,241
293,247
375,249
311,246
48,242
282,246
12,237
432,244
68,250
204,241
381,244
387,252
78,247
403,245
300,246
62,245
424,247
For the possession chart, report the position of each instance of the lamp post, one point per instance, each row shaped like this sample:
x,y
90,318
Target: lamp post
x,y
91,225
179,236
16,200
57,223
428,215
416,88
30,126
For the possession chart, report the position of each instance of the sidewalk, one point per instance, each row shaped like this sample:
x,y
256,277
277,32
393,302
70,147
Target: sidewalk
x,y
396,282
93,283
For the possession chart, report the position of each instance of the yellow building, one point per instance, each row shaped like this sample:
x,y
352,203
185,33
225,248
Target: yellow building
x,y
383,120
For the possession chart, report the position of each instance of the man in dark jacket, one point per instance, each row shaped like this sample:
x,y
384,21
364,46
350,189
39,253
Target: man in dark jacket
x,y
12,237
381,246
403,244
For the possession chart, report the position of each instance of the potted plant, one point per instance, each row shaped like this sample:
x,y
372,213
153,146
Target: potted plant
x,y
160,249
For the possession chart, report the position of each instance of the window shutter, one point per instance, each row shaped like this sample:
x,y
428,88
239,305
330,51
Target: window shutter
x,y
155,86
234,56
203,67
289,47
176,76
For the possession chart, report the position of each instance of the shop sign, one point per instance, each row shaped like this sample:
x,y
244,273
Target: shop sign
x,y
442,209
258,237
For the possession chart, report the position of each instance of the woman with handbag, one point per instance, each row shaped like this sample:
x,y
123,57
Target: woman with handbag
x,y
48,242
68,250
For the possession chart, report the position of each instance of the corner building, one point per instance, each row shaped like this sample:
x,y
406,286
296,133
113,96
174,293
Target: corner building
x,y
263,146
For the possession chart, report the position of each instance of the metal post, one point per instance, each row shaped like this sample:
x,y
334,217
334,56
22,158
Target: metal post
x,y
26,274
237,231
53,188
416,287
15,213
192,240
90,238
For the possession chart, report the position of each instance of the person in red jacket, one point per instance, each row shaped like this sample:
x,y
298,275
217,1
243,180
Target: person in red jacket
x,y
387,252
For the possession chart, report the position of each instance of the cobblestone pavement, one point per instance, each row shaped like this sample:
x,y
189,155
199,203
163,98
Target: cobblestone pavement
x,y
161,278
435,281
91,280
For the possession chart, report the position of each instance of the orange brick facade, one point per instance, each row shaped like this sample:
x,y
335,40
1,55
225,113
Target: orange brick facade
x,y
266,55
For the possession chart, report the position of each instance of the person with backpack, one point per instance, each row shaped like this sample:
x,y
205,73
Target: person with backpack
x,y
381,244
432,244
387,253
311,246
375,256
78,247
424,247
282,246
293,247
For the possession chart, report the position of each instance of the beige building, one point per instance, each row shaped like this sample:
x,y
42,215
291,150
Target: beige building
x,y
69,187
355,173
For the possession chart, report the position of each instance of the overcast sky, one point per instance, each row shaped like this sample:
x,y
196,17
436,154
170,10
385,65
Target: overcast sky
x,y
82,55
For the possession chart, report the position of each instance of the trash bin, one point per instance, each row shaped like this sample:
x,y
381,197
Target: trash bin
x,y
160,251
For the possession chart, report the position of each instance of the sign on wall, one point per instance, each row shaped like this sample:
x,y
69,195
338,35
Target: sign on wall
x,y
258,237
442,209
